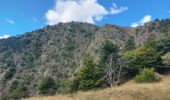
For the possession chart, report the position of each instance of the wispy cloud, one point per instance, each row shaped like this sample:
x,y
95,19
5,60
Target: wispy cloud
x,y
168,11
34,19
10,21
80,10
4,36
145,19
116,10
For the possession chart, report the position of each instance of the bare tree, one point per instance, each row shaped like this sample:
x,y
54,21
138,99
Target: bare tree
x,y
113,71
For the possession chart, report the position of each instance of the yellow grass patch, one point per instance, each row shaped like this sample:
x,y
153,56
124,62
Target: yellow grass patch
x,y
128,91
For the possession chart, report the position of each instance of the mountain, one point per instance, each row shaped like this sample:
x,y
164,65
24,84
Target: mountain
x,y
57,51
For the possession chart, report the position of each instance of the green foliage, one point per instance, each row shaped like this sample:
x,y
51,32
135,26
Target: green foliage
x,y
130,44
163,42
146,75
165,25
145,55
151,42
166,58
47,86
20,92
141,57
88,77
9,73
17,90
66,87
108,48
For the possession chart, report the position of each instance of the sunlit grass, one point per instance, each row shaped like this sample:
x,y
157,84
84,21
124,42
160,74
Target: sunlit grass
x,y
128,91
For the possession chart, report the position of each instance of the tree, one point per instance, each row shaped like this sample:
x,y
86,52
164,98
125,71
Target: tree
x,y
140,58
113,72
108,48
47,86
88,77
130,44
111,65
166,58
163,43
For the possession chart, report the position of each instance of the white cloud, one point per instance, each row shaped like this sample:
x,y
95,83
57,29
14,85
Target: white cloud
x,y
34,19
10,21
145,19
79,10
116,10
4,36
134,24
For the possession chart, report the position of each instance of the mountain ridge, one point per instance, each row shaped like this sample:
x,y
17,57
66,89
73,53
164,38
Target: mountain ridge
x,y
57,51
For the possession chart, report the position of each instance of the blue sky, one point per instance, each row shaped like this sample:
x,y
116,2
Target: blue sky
x,y
19,16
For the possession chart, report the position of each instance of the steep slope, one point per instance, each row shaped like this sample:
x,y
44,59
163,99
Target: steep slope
x,y
56,51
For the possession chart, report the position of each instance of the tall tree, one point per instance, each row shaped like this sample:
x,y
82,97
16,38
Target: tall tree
x,y
111,65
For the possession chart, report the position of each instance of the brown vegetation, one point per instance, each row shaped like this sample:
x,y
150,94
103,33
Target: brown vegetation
x,y
128,91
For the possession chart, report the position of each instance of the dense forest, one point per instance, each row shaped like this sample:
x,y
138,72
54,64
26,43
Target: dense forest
x,y
70,57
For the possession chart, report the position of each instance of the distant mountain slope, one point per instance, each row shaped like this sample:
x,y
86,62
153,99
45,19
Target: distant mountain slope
x,y
56,51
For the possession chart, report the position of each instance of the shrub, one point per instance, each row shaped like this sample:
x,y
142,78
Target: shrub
x,y
9,73
139,58
47,86
65,87
17,90
166,58
146,75
130,44
163,42
18,93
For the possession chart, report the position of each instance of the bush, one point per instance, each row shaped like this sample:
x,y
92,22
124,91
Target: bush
x,y
9,73
163,42
66,87
130,44
166,58
20,92
146,75
47,86
16,91
139,58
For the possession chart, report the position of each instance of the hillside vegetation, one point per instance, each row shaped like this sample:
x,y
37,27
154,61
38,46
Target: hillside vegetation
x,y
128,91
70,57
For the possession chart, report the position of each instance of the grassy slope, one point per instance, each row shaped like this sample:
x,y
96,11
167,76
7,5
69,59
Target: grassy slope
x,y
128,91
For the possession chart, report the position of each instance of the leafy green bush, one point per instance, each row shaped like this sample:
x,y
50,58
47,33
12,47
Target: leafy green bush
x,y
166,58
146,75
20,92
9,73
47,86
140,58
130,44
16,91
66,87
163,42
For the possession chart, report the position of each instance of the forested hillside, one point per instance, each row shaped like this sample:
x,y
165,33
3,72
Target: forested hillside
x,y
56,59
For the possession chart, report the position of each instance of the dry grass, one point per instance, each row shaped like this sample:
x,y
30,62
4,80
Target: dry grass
x,y
128,91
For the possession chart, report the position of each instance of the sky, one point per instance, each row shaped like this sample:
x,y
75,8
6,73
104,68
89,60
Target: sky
x,y
20,16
